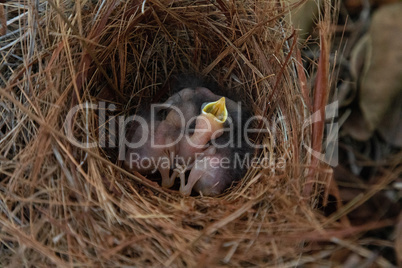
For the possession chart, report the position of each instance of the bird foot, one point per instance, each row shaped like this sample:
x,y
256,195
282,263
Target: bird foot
x,y
180,169
168,181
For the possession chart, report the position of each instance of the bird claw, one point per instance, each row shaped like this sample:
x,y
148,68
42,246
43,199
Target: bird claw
x,y
180,169
185,191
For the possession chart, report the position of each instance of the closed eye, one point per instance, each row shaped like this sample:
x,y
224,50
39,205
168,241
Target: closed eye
x,y
161,114
191,127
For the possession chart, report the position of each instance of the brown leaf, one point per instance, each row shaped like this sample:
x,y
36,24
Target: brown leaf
x,y
391,127
381,82
303,17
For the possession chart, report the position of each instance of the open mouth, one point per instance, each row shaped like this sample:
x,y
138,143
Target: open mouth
x,y
217,109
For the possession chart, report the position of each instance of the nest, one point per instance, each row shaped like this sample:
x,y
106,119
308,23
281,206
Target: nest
x,y
66,205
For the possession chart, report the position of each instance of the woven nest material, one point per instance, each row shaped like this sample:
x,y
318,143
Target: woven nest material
x,y
69,206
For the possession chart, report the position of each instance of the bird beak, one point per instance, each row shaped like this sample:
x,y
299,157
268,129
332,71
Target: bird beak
x,y
217,109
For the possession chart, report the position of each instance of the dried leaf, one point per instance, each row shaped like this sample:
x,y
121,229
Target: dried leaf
x,y
381,81
303,17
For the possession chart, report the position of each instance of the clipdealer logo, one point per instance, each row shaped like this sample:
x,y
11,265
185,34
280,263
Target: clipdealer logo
x,y
329,154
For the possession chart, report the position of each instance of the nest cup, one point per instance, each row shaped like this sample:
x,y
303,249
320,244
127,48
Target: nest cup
x,y
84,208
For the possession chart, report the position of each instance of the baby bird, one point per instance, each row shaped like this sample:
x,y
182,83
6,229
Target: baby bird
x,y
153,136
208,126
215,168
151,146
201,148
208,174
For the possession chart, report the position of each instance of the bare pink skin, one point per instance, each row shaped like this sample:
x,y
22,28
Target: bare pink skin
x,y
162,128
205,174
206,128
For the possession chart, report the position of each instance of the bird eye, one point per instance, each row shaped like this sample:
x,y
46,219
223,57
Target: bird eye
x,y
161,114
191,127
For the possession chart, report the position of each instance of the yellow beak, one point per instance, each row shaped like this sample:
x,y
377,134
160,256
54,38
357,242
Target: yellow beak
x,y
217,109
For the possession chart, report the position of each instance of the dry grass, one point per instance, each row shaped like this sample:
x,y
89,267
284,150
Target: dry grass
x,y
68,206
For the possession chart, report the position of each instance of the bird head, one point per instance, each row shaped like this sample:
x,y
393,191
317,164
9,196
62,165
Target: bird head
x,y
213,116
210,122
216,111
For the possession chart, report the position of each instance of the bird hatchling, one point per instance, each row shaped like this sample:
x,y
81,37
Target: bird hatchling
x,y
195,135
